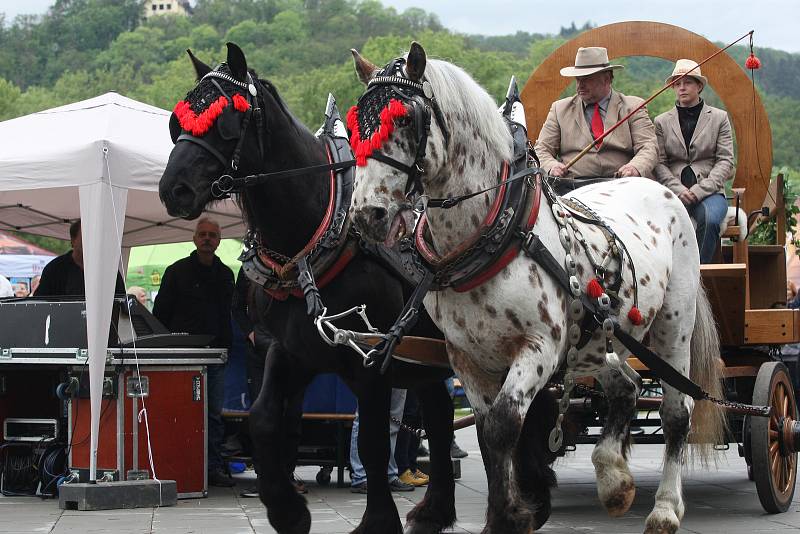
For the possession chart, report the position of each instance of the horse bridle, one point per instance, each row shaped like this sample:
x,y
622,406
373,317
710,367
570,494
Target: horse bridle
x,y
223,186
422,105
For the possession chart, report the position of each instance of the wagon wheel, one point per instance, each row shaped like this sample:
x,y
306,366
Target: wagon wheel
x,y
774,439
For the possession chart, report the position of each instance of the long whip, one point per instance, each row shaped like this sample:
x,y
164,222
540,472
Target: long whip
x,y
643,104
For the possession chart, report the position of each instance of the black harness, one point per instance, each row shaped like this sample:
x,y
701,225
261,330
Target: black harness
x,y
230,164
389,83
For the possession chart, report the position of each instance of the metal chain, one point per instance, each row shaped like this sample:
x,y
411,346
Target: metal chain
x,y
418,432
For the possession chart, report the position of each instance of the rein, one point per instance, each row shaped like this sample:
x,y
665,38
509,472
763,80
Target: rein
x,y
226,184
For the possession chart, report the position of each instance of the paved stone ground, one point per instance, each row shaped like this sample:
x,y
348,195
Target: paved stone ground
x,y
721,501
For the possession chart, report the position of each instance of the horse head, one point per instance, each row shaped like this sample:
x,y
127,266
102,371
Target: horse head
x,y
211,130
416,132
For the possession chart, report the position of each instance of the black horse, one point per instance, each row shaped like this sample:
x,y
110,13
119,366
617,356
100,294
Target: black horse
x,y
286,213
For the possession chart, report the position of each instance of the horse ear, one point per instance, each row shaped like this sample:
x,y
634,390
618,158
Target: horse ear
x,y
415,64
364,68
199,67
236,62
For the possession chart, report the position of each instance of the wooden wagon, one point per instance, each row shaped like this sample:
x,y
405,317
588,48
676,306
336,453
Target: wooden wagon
x,y
747,287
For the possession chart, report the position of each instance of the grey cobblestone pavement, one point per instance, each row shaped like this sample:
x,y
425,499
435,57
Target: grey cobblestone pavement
x,y
718,501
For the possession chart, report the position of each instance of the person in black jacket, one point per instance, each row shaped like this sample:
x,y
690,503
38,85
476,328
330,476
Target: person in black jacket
x,y
63,276
195,297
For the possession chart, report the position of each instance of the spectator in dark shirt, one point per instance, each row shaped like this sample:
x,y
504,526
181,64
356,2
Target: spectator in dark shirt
x,y
195,297
63,276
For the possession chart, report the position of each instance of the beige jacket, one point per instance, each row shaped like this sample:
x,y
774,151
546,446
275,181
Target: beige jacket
x,y
565,133
710,152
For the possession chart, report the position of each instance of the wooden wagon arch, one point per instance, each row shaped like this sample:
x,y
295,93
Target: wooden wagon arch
x,y
665,41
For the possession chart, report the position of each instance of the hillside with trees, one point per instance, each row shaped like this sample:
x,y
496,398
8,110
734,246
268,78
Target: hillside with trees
x,y
82,48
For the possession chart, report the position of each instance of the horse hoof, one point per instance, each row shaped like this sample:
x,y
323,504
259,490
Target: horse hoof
x,y
662,521
619,500
615,486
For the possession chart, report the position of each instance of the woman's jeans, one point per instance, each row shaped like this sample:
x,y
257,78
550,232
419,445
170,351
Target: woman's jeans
x,y
708,214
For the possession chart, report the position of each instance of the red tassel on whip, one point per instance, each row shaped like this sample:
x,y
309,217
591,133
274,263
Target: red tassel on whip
x,y
752,62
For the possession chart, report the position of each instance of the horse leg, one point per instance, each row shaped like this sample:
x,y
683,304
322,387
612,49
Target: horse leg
x,y
286,510
374,449
437,510
533,458
615,486
671,339
508,512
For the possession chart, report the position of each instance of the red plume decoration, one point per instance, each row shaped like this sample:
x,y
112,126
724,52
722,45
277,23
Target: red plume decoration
x,y
198,125
363,148
635,316
752,62
594,289
240,103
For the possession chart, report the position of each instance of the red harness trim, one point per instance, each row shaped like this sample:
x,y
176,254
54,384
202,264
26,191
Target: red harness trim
x,y
503,261
511,253
432,257
364,148
283,270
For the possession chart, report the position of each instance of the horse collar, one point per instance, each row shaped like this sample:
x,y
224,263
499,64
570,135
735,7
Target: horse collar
x,y
328,251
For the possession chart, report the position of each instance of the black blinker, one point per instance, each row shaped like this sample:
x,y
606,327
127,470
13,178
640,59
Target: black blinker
x,y
174,128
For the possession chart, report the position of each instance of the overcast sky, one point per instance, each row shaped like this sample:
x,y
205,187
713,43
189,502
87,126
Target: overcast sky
x,y
775,21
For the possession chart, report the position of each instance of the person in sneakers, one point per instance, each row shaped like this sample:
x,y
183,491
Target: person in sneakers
x,y
455,450
358,475
405,452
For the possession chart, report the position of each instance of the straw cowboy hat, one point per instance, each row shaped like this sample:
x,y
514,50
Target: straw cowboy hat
x,y
588,61
682,66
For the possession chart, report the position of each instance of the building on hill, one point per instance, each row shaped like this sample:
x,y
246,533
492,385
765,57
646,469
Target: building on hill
x,y
154,8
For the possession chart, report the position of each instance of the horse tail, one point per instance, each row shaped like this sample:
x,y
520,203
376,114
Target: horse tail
x,y
709,422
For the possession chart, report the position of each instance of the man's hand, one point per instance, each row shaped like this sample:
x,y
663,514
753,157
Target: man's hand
x,y
628,170
252,337
559,169
688,198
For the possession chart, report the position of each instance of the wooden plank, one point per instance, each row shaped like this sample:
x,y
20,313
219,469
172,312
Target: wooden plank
x,y
740,371
724,270
665,41
329,416
771,326
726,288
422,350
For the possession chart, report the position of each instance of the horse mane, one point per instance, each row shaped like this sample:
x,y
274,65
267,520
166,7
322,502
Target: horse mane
x,y
459,95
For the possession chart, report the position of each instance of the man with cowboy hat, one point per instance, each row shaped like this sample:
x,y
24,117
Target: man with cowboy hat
x,y
631,150
695,152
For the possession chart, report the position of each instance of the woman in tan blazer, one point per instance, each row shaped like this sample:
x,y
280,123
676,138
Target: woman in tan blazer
x,y
695,153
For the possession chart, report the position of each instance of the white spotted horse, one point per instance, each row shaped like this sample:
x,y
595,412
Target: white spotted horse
x,y
236,125
619,254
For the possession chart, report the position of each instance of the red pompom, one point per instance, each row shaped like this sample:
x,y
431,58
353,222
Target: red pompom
x,y
752,62
635,316
240,103
352,119
594,289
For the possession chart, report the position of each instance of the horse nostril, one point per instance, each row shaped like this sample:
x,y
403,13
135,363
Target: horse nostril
x,y
378,214
182,193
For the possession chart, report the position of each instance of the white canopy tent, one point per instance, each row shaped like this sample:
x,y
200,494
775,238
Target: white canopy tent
x,y
99,160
